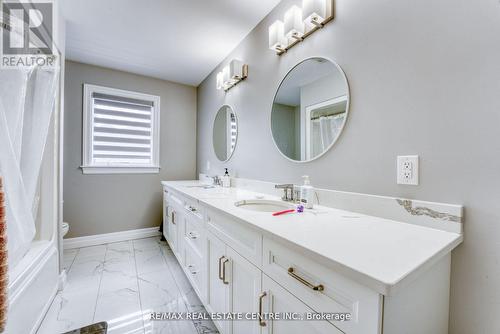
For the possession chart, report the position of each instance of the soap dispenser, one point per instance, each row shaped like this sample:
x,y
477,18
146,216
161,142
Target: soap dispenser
x,y
307,193
226,180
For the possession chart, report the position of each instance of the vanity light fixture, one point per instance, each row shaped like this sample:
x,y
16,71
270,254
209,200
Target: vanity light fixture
x,y
299,23
232,75
220,80
294,26
277,40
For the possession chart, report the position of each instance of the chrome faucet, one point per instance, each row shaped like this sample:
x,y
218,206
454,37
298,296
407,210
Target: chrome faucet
x,y
216,179
288,193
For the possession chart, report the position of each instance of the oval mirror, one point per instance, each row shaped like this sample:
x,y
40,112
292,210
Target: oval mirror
x,y
225,133
310,109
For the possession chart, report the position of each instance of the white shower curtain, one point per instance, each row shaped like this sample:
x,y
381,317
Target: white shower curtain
x,y
325,130
27,99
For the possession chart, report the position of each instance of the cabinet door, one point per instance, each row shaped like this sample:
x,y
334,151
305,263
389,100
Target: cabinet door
x,y
175,231
279,300
180,223
166,215
218,290
245,285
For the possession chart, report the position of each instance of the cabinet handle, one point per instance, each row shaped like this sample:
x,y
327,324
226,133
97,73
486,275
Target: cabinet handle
x,y
226,260
220,267
192,209
318,287
262,323
193,271
192,235
173,217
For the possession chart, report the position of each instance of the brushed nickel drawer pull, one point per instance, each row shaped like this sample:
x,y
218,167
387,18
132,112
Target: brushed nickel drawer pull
x,y
220,267
192,209
318,287
192,269
173,218
192,235
262,323
226,260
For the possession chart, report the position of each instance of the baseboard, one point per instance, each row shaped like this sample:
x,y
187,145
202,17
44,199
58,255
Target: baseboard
x,y
99,239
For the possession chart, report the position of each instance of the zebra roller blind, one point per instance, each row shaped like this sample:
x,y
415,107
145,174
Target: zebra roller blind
x,y
121,129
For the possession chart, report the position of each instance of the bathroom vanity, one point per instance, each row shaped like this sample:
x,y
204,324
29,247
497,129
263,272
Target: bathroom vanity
x,y
387,276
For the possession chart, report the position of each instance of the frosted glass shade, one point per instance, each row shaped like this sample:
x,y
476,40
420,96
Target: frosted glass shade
x,y
225,74
235,69
219,80
277,36
293,25
313,10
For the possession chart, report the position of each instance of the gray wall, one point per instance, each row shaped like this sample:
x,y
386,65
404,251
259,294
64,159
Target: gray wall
x,y
424,79
95,204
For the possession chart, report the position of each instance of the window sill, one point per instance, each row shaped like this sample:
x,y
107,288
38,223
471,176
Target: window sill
x,y
119,170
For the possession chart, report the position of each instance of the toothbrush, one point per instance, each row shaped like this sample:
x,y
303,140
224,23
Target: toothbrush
x,y
299,209
283,212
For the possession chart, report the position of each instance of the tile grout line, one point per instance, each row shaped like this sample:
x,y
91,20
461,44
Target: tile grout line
x,y
138,288
73,261
100,280
175,280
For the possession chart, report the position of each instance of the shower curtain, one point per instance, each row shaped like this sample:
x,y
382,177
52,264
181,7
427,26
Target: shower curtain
x,y
27,100
325,130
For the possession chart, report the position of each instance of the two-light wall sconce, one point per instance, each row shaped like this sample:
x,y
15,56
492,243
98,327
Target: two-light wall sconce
x,y
232,74
299,23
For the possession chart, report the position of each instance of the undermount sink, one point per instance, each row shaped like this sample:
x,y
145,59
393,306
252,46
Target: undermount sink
x,y
204,186
263,205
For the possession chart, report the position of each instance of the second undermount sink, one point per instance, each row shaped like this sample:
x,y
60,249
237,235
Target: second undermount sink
x,y
263,205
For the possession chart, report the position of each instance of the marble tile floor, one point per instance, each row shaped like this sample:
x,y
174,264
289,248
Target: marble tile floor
x,y
122,283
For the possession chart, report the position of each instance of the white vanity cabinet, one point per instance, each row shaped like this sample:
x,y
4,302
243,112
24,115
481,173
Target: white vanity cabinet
x,y
236,268
166,214
233,286
175,219
275,299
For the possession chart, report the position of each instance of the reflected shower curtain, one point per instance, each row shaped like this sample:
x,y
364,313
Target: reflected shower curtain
x,y
27,100
325,130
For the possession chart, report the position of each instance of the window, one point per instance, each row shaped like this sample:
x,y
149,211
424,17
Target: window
x,y
120,131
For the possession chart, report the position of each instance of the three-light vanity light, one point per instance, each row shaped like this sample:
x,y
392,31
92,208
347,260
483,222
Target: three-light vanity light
x,y
232,74
299,23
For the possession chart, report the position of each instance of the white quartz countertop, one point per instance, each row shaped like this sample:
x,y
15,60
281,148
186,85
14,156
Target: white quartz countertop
x,y
379,253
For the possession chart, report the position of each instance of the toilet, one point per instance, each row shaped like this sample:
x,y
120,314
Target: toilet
x,y
65,228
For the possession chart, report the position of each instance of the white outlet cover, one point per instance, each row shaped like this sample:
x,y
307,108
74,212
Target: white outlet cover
x,y
407,169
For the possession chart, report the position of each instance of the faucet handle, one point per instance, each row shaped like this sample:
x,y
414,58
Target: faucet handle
x,y
287,191
283,186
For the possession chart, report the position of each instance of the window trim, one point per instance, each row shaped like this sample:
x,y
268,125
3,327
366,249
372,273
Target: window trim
x,y
87,135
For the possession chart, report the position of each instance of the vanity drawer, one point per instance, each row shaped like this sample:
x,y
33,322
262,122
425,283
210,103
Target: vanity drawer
x,y
323,289
176,200
194,208
194,234
195,270
246,240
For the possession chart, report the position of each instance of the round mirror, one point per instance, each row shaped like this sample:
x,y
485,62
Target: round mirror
x,y
225,133
310,109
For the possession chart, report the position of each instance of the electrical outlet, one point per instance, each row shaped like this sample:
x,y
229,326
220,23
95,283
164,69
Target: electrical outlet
x,y
407,169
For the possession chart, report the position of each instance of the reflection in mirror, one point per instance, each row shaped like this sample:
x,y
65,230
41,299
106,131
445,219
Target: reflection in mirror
x,y
225,133
309,109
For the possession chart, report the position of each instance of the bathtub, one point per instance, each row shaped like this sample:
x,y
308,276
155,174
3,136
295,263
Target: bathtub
x,y
33,284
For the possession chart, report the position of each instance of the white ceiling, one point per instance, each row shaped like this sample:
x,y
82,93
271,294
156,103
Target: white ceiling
x,y
303,74
177,40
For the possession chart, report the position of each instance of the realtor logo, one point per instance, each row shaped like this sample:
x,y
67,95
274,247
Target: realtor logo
x,y
28,40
